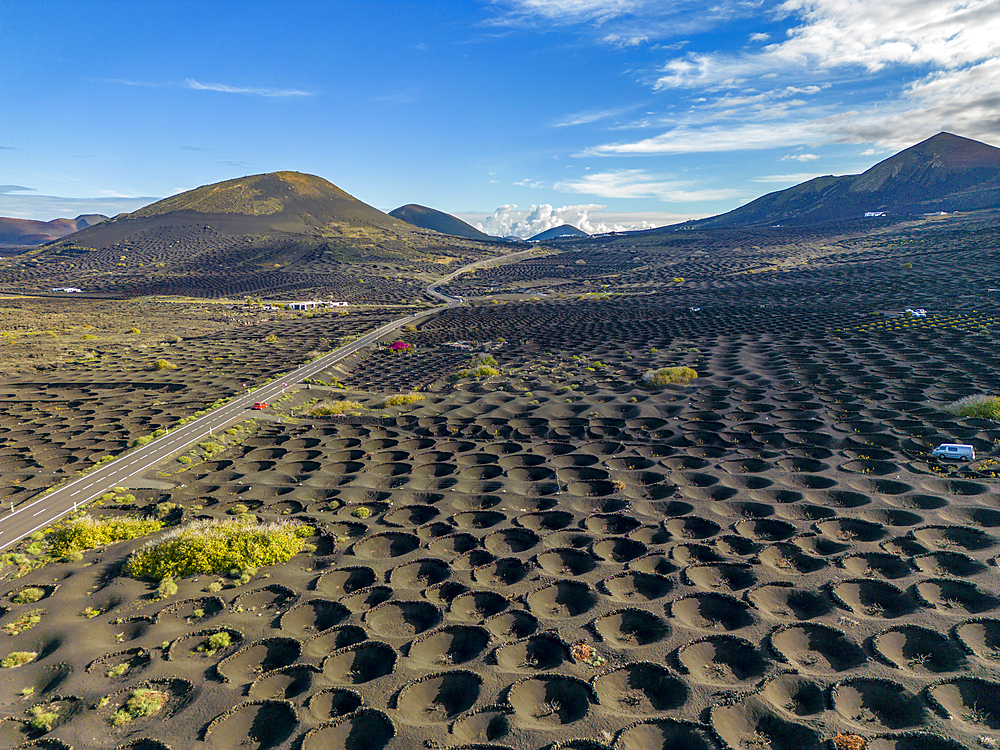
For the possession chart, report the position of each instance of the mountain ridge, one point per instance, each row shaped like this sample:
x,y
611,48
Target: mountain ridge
x,y
946,172
28,232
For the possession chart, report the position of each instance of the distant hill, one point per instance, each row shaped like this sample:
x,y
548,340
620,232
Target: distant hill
x,y
564,230
30,232
437,221
943,173
281,231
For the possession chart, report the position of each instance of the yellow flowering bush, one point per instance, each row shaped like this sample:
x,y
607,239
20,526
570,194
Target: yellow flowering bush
x,y
216,546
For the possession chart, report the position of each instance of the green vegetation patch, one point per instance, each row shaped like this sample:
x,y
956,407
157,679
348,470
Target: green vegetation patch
x,y
399,399
667,375
17,659
979,405
142,702
216,546
334,409
86,532
28,595
24,622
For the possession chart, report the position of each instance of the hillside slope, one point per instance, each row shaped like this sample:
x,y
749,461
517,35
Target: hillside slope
x,y
30,232
282,232
943,173
437,221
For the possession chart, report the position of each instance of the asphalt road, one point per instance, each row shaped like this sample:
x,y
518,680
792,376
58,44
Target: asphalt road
x,y
50,507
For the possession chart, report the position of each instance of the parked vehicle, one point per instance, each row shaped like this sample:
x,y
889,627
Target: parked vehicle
x,y
259,405
956,451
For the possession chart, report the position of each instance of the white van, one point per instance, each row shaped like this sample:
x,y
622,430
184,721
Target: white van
x,y
957,451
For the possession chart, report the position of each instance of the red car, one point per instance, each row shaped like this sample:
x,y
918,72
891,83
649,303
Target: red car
x,y
259,405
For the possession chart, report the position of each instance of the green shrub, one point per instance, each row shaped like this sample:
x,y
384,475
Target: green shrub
x,y
334,409
28,595
272,339
667,375
214,546
217,641
399,399
167,587
42,719
142,702
485,371
361,512
24,622
979,405
17,659
238,510
86,532
162,364
118,670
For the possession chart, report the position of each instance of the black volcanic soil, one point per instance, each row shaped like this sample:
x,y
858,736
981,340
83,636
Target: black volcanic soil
x,y
765,557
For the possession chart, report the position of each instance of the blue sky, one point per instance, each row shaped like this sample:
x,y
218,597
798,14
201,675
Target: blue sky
x,y
516,115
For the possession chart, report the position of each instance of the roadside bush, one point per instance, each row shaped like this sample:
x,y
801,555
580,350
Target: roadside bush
x,y
87,532
334,409
979,405
216,546
667,375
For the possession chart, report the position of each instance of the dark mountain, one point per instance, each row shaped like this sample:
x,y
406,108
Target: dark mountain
x,y
283,232
564,230
943,173
438,221
29,232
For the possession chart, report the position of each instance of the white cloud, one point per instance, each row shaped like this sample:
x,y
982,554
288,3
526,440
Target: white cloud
x,y
585,118
759,37
636,183
48,207
799,157
574,11
788,179
931,65
510,221
691,138
190,83
854,33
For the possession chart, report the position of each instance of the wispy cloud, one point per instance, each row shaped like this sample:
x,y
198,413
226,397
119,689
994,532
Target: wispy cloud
x,y
570,11
787,179
404,96
799,157
910,69
224,88
637,183
585,118
5,189
619,23
194,85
